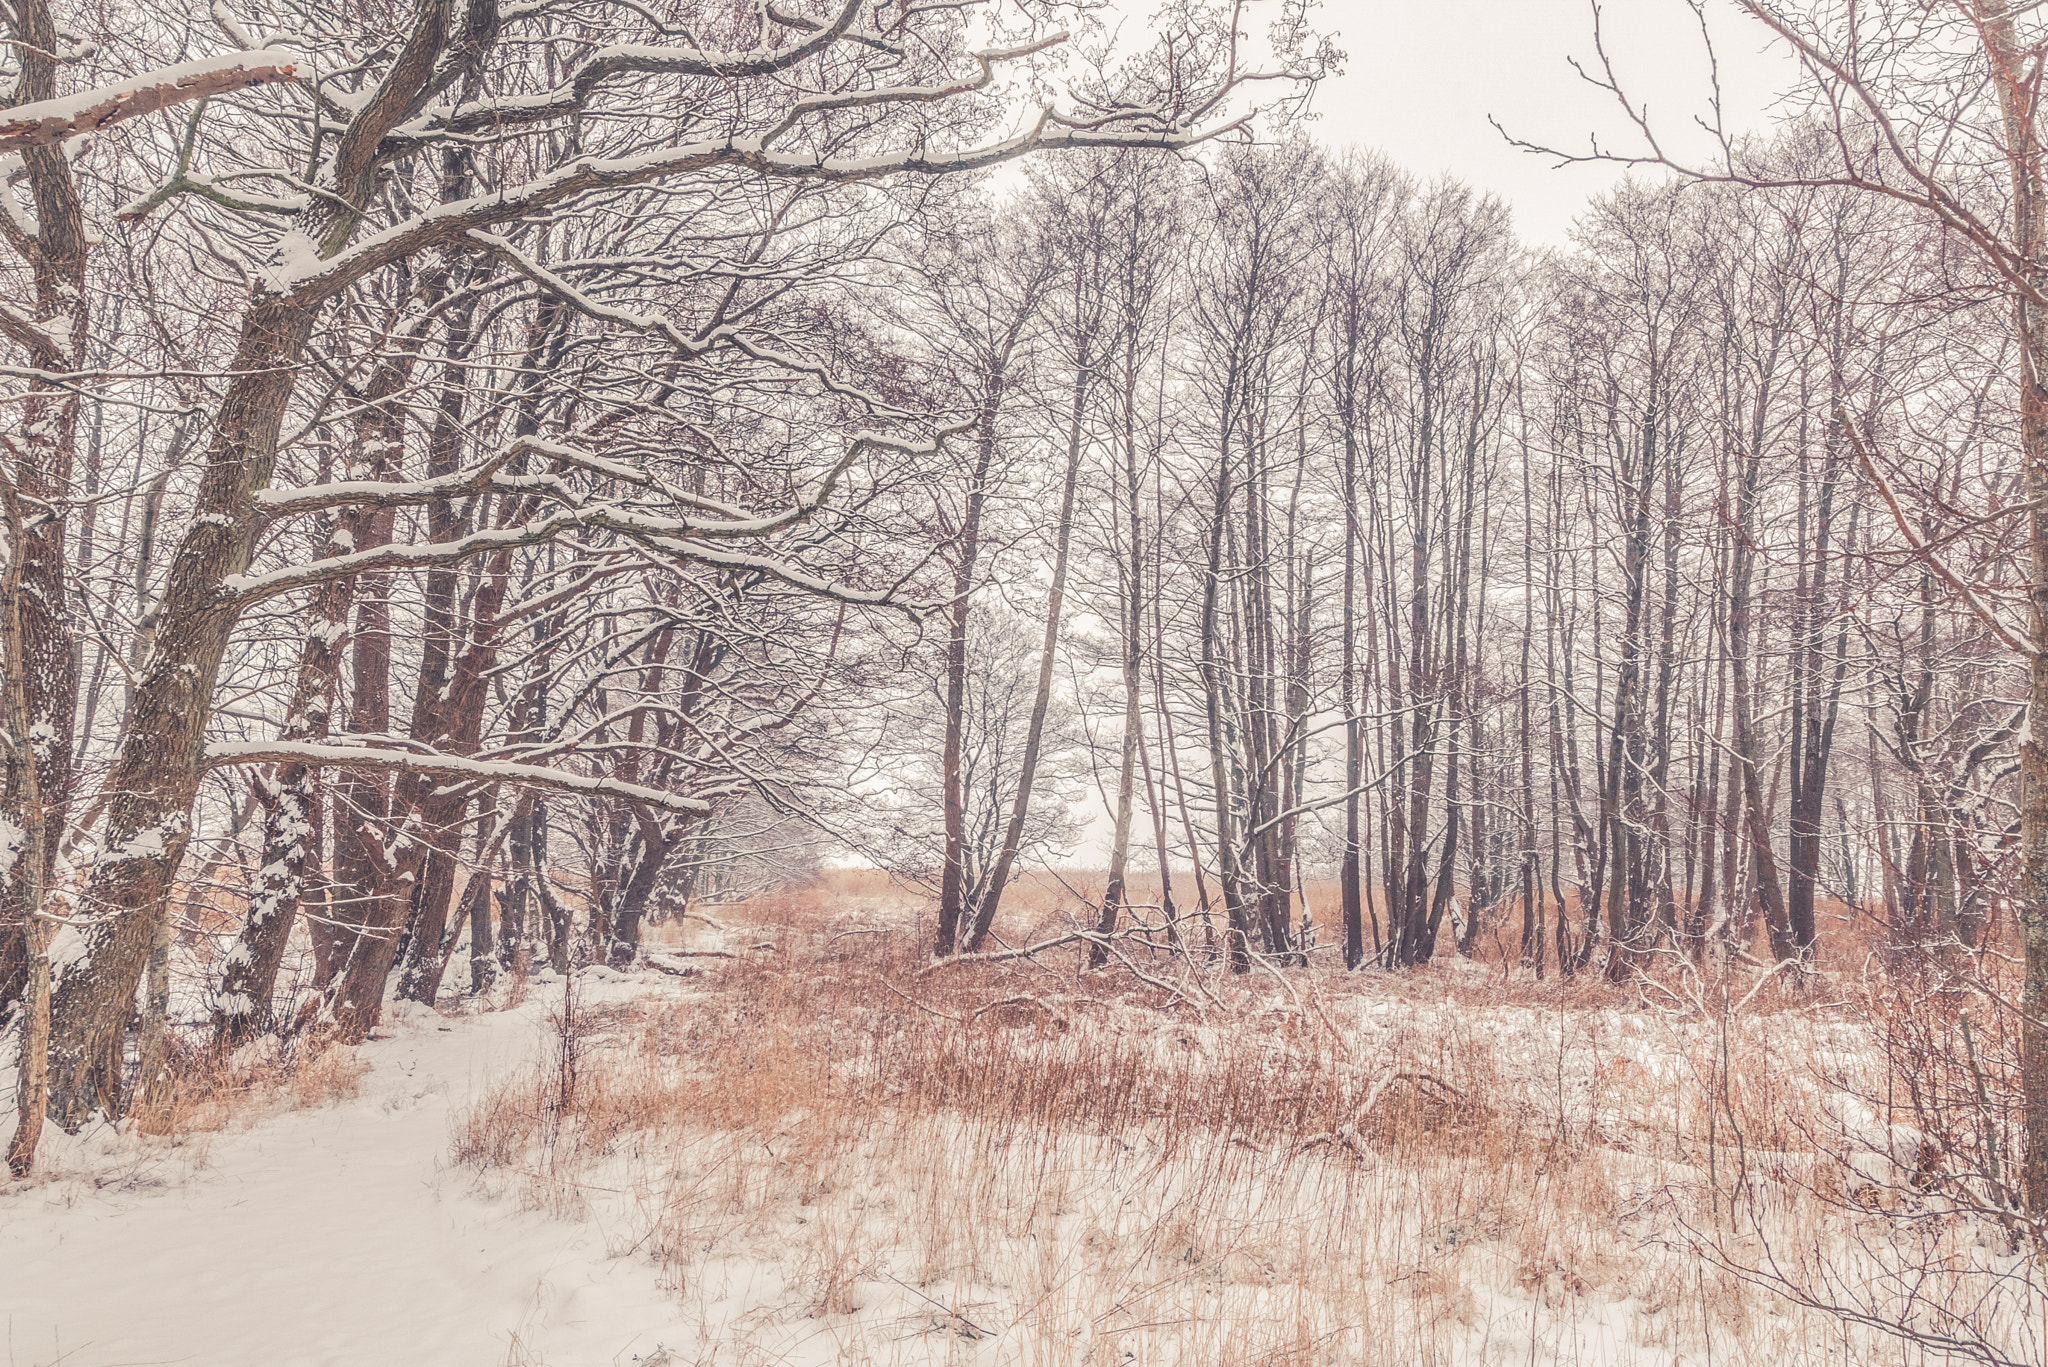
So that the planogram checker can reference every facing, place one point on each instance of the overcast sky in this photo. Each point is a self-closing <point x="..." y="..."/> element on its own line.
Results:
<point x="1423" y="75"/>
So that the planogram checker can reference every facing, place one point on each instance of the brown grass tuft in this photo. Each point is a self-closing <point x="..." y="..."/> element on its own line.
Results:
<point x="1031" y="1162"/>
<point x="202" y="1092"/>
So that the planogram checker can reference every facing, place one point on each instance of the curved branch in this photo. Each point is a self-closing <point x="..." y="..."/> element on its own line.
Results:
<point x="1921" y="550"/>
<point x="436" y="765"/>
<point x="47" y="122"/>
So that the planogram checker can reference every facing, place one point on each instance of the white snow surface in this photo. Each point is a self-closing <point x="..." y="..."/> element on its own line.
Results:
<point x="326" y="1236"/>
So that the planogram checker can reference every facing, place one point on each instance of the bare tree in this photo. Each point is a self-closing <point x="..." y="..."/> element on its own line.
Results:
<point x="1933" y="107"/>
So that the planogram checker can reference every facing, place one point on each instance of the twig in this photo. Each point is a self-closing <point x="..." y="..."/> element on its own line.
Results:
<point x="1021" y="999"/>
<point x="930" y="1010"/>
<point x="1379" y="1088"/>
<point x="1346" y="1135"/>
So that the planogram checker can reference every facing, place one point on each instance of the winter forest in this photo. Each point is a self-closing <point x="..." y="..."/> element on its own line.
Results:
<point x="893" y="681"/>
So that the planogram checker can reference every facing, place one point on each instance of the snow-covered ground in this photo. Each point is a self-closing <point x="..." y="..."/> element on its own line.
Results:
<point x="739" y="1186"/>
<point x="338" y="1235"/>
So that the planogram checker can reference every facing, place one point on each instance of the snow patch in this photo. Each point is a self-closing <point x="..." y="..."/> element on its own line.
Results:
<point x="264" y="1245"/>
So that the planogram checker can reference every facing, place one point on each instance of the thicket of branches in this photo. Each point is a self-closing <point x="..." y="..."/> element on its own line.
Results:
<point x="1554" y="591"/>
<point x="478" y="477"/>
<point x="452" y="412"/>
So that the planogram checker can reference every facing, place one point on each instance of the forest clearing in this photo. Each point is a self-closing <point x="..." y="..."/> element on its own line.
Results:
<point x="1005" y="681"/>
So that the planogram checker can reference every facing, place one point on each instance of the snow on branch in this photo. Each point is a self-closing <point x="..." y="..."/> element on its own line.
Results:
<point x="299" y="271"/>
<point x="1921" y="550"/>
<point x="437" y="765"/>
<point x="637" y="59"/>
<point x="672" y="538"/>
<point x="47" y="122"/>
<point x="680" y="538"/>
<point x="381" y="493"/>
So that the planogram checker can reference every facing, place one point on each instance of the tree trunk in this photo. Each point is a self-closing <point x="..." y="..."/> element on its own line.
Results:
<point x="657" y="840"/>
<point x="157" y="769"/>
<point x="1132" y="626"/>
<point x="1020" y="806"/>
<point x="953" y="876"/>
<point x="1214" y="668"/>
<point x="1354" y="727"/>
<point x="42" y="457"/>
<point x="2018" y="96"/>
<point x="26" y="816"/>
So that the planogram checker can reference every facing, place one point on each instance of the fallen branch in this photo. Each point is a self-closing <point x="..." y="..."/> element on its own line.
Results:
<point x="928" y="1010"/>
<point x="1345" y="1136"/>
<point x="1178" y="991"/>
<point x="1076" y="937"/>
<point x="1379" y="1088"/>
<point x="1004" y="955"/>
<point x="1021" y="999"/>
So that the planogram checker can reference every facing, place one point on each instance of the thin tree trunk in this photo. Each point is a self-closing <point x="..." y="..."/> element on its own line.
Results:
<point x="1041" y="699"/>
<point x="1755" y="812"/>
<point x="1354" y="727"/>
<point x="42" y="453"/>
<point x="1131" y="615"/>
<point x="953" y="876"/>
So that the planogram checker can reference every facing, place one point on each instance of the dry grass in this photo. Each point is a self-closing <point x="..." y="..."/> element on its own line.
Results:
<point x="836" y="1154"/>
<point x="202" y="1092"/>
<point x="167" y="1133"/>
<point x="1043" y="902"/>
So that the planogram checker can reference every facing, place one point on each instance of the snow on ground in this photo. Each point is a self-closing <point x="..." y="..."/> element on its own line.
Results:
<point x="343" y="1234"/>
<point x="335" y="1235"/>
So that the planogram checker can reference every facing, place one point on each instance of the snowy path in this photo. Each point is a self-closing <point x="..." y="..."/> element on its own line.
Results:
<point x="328" y="1236"/>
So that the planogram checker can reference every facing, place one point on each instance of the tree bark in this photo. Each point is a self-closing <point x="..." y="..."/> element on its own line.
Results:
<point x="32" y="1075"/>
<point x="1041" y="699"/>
<point x="953" y="875"/>
<point x="42" y="459"/>
<point x="2018" y="91"/>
